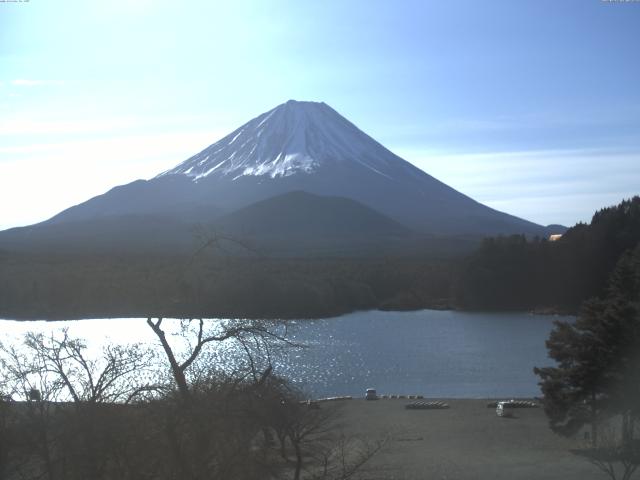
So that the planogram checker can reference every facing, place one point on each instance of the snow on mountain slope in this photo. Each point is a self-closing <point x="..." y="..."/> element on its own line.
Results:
<point x="295" y="137"/>
<point x="307" y="147"/>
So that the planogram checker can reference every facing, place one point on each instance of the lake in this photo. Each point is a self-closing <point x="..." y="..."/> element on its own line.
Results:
<point x="428" y="352"/>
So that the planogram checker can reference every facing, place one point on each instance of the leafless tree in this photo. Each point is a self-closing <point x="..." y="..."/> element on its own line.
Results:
<point x="345" y="457"/>
<point x="62" y="440"/>
<point x="208" y="424"/>
<point x="199" y="335"/>
<point x="318" y="446"/>
<point x="23" y="376"/>
<point x="118" y="373"/>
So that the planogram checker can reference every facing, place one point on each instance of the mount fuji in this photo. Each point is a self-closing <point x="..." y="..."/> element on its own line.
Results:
<point x="297" y="165"/>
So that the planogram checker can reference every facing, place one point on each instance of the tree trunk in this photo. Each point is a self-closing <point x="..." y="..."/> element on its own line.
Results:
<point x="627" y="430"/>
<point x="296" y="446"/>
<point x="283" y="445"/>
<point x="176" y="370"/>
<point x="594" y="421"/>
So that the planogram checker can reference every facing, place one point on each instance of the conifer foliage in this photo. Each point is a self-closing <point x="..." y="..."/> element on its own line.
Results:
<point x="596" y="381"/>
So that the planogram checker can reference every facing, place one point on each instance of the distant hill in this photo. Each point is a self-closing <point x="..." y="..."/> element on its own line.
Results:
<point x="292" y="224"/>
<point x="302" y="214"/>
<point x="298" y="223"/>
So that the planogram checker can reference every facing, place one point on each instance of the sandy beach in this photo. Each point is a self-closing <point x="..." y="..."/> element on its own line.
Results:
<point x="467" y="441"/>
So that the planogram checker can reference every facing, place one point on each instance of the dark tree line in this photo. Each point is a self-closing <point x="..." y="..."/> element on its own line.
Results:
<point x="515" y="273"/>
<point x="504" y="273"/>
<point x="67" y="286"/>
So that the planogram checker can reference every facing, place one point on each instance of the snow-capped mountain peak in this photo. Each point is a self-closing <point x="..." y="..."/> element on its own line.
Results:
<point x="295" y="137"/>
<point x="300" y="147"/>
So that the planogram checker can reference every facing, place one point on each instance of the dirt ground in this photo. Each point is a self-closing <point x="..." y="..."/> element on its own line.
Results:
<point x="466" y="441"/>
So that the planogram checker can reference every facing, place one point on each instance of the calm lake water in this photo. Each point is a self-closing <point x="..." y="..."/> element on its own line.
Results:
<point x="428" y="352"/>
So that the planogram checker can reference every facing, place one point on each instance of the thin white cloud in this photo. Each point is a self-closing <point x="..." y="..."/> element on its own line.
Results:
<point x="21" y="125"/>
<point x="24" y="126"/>
<point x="507" y="124"/>
<point x="23" y="82"/>
<point x="545" y="186"/>
<point x="112" y="149"/>
<point x="49" y="164"/>
<point x="44" y="179"/>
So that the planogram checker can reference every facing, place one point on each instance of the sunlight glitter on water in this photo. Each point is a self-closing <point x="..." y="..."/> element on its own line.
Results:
<point x="434" y="353"/>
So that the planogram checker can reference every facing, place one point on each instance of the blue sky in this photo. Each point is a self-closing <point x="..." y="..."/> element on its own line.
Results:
<point x="532" y="107"/>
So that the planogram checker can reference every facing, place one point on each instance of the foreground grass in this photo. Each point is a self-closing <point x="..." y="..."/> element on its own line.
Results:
<point x="467" y="441"/>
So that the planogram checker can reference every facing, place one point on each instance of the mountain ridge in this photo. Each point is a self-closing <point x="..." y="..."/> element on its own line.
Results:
<point x="296" y="146"/>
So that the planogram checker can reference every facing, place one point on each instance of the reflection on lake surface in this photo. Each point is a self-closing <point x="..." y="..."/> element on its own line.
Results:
<point x="428" y="352"/>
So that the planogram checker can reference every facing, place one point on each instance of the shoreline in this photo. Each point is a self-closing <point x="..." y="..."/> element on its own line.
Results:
<point x="542" y="311"/>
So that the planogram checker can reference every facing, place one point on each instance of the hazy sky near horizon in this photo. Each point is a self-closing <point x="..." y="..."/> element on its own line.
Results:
<point x="531" y="107"/>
